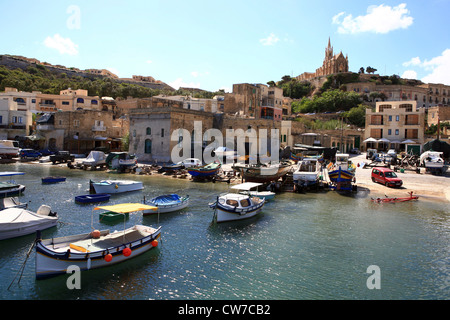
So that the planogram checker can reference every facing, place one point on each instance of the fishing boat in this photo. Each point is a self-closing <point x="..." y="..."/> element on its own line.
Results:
<point x="393" y="200"/>
<point x="12" y="202"/>
<point x="115" y="186"/>
<point x="16" y="222"/>
<point x="433" y="162"/>
<point x="53" y="179"/>
<point x="96" y="249"/>
<point x="262" y="172"/>
<point x="342" y="173"/>
<point x="171" y="167"/>
<point x="236" y="206"/>
<point x="121" y="161"/>
<point x="307" y="173"/>
<point x="204" y="172"/>
<point x="166" y="203"/>
<point x="246" y="188"/>
<point x="93" y="198"/>
<point x="10" y="188"/>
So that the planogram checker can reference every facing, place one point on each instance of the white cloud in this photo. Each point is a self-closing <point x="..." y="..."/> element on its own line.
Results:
<point x="379" y="19"/>
<point x="176" y="84"/>
<point x="409" y="74"/>
<point x="413" y="62"/>
<point x="149" y="61"/>
<point x="63" y="45"/>
<point x="194" y="74"/>
<point x="440" y="69"/>
<point x="271" y="40"/>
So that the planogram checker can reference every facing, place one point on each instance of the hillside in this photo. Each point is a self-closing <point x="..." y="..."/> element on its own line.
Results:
<point x="28" y="76"/>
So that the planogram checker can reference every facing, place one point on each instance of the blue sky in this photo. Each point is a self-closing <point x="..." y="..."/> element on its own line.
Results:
<point x="212" y="44"/>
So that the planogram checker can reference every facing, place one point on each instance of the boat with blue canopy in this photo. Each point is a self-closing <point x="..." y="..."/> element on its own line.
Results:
<point x="167" y="203"/>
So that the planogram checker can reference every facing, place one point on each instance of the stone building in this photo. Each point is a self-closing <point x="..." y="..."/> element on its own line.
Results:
<point x="332" y="63"/>
<point x="395" y="121"/>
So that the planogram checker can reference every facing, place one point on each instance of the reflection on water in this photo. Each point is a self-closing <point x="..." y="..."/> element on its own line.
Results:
<point x="302" y="246"/>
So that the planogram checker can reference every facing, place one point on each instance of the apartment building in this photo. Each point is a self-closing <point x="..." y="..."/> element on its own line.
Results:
<point x="395" y="121"/>
<point x="15" y="120"/>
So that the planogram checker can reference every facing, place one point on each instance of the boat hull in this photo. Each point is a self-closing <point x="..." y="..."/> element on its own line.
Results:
<point x="53" y="179"/>
<point x="51" y="262"/>
<point x="117" y="186"/>
<point x="93" y="198"/>
<point x="166" y="208"/>
<point x="14" y="190"/>
<point x="262" y="174"/>
<point x="223" y="215"/>
<point x="18" y="227"/>
<point x="226" y="213"/>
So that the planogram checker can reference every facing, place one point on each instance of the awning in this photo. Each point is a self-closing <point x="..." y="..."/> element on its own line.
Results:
<point x="127" y="207"/>
<point x="383" y="140"/>
<point x="246" y="186"/>
<point x="370" y="140"/>
<point x="408" y="141"/>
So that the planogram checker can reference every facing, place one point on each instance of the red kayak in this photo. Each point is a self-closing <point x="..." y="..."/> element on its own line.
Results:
<point x="411" y="197"/>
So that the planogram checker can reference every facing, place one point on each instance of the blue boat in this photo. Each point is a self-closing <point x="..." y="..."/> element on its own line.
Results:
<point x="93" y="198"/>
<point x="166" y="203"/>
<point x="53" y="179"/>
<point x="207" y="171"/>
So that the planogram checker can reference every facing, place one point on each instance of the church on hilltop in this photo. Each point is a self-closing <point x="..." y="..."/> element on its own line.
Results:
<point x="331" y="64"/>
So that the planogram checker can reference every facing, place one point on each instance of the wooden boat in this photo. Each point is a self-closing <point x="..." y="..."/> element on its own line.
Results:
<point x="236" y="206"/>
<point x="93" y="198"/>
<point x="10" y="188"/>
<point x="246" y="188"/>
<point x="393" y="200"/>
<point x="53" y="179"/>
<point x="12" y="202"/>
<point x="16" y="222"/>
<point x="115" y="186"/>
<point x="261" y="172"/>
<point x="96" y="249"/>
<point x="166" y="203"/>
<point x="342" y="173"/>
<point x="206" y="171"/>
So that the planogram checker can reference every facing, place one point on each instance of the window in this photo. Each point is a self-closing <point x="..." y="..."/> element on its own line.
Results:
<point x="162" y="132"/>
<point x="396" y="132"/>
<point x="65" y="103"/>
<point x="94" y="102"/>
<point x="149" y="131"/>
<point x="148" y="146"/>
<point x="397" y="118"/>
<point x="1" y="119"/>
<point x="80" y="100"/>
<point x="76" y="123"/>
<point x="390" y="118"/>
<point x="389" y="132"/>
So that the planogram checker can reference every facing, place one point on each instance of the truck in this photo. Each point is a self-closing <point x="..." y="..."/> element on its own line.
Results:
<point x="62" y="156"/>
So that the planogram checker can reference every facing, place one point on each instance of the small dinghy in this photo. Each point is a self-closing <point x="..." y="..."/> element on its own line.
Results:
<point x="167" y="203"/>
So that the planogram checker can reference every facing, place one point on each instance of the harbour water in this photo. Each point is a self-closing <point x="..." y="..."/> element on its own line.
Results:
<point x="302" y="246"/>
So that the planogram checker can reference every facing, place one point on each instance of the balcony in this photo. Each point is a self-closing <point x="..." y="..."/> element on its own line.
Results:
<point x="99" y="128"/>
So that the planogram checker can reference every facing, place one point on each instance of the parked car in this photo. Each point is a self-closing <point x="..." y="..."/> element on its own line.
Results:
<point x="370" y="153"/>
<point x="386" y="176"/>
<point x="190" y="162"/>
<point x="62" y="156"/>
<point x="355" y="151"/>
<point x="29" y="154"/>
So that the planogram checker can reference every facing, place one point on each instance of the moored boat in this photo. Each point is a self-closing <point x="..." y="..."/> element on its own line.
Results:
<point x="53" y="179"/>
<point x="93" y="198"/>
<point x="116" y="186"/>
<point x="433" y="162"/>
<point x="236" y="206"/>
<point x="307" y="173"/>
<point x="166" y="203"/>
<point x="246" y="188"/>
<point x="206" y="171"/>
<point x="393" y="200"/>
<point x="16" y="222"/>
<point x="10" y="188"/>
<point x="96" y="249"/>
<point x="262" y="172"/>
<point x="12" y="202"/>
<point x="342" y="173"/>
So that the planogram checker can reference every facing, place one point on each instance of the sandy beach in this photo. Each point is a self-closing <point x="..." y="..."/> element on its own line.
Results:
<point x="425" y="185"/>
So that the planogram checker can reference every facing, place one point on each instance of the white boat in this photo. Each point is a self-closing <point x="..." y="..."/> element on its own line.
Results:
<point x="94" y="159"/>
<point x="10" y="188"/>
<point x="307" y="173"/>
<point x="96" y="249"/>
<point x="116" y="186"/>
<point x="433" y="161"/>
<point x="16" y="222"/>
<point x="9" y="149"/>
<point x="246" y="188"/>
<point x="12" y="202"/>
<point x="166" y="203"/>
<point x="236" y="206"/>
